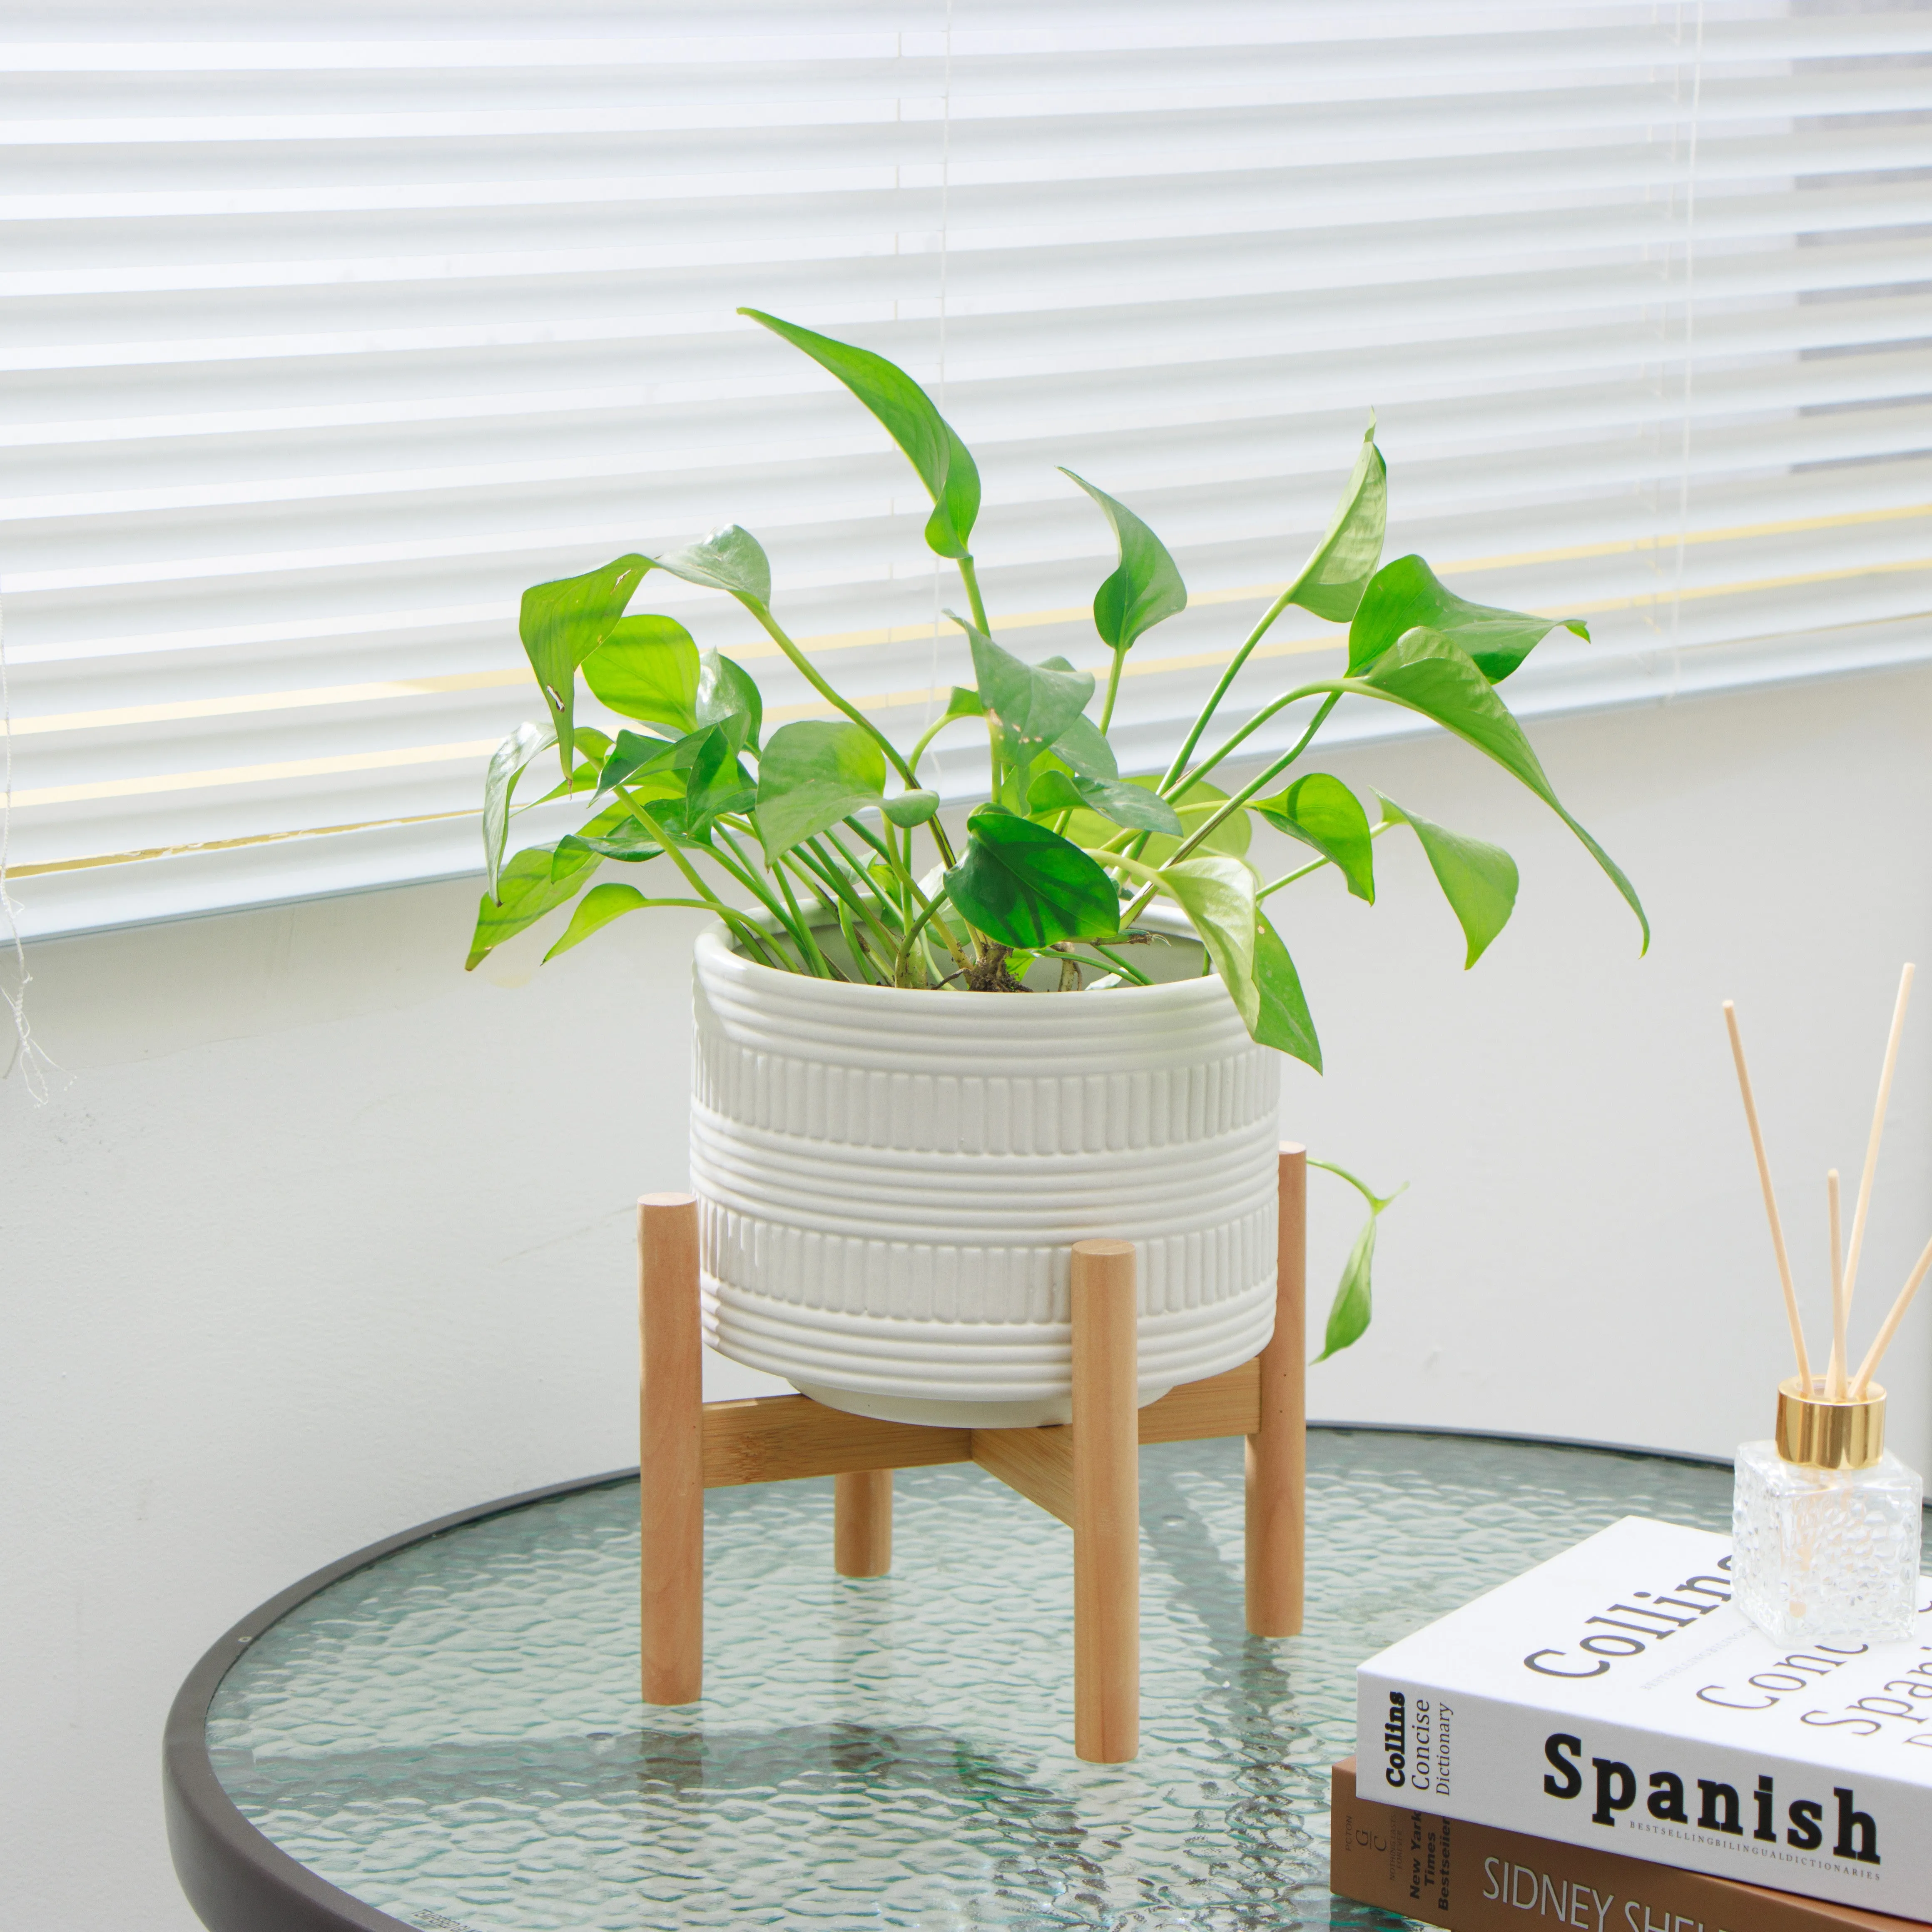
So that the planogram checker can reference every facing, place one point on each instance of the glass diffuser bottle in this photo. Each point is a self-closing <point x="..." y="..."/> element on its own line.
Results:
<point x="1825" y="1523"/>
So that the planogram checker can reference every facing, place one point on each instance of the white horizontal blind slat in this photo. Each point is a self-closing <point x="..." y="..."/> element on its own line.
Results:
<point x="325" y="330"/>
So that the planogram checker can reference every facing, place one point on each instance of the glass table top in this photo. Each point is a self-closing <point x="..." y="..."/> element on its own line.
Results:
<point x="454" y="1736"/>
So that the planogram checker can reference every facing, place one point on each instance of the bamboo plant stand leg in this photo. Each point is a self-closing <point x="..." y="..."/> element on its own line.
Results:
<point x="671" y="1442"/>
<point x="1106" y="1505"/>
<point x="1087" y="1475"/>
<point x="861" y="1534"/>
<point x="1277" y="1452"/>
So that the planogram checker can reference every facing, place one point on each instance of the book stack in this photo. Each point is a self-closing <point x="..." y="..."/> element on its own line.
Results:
<point x="1606" y="1742"/>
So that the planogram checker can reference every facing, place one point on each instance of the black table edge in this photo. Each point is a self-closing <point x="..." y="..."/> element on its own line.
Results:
<point x="238" y="1880"/>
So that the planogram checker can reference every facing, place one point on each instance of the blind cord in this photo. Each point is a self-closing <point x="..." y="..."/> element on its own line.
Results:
<point x="26" y="1053"/>
<point x="1689" y="346"/>
<point x="945" y="189"/>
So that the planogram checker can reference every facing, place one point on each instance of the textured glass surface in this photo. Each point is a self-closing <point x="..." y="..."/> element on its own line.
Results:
<point x="1826" y="1555"/>
<point x="454" y="1734"/>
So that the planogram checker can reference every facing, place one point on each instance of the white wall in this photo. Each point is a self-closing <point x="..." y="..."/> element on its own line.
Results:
<point x="319" y="1237"/>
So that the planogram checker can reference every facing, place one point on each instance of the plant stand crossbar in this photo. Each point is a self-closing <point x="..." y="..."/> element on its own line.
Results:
<point x="1086" y="1473"/>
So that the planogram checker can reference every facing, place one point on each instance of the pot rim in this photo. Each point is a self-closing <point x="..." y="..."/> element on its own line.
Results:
<point x="715" y="954"/>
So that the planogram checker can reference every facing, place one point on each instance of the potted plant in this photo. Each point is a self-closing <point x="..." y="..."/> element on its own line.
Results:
<point x="925" y="1065"/>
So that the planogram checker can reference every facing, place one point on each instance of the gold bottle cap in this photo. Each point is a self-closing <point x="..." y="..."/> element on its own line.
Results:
<point x="1817" y="1433"/>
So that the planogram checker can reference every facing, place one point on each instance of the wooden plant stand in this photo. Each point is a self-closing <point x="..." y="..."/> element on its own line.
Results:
<point x="1086" y="1473"/>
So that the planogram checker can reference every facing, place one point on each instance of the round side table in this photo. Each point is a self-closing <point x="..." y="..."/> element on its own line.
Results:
<point x="444" y="1731"/>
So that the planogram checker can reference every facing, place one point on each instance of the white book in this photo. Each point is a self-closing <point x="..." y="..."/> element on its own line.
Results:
<point x="1613" y="1697"/>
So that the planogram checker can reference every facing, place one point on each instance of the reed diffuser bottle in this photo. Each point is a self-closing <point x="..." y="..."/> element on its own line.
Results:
<point x="1825" y="1522"/>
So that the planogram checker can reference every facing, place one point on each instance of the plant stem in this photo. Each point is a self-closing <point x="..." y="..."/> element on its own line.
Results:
<point x="1338" y="688"/>
<point x="912" y="933"/>
<point x="804" y="664"/>
<point x="810" y="672"/>
<point x="932" y="731"/>
<point x="862" y="958"/>
<point x="809" y="874"/>
<point x="740" y="868"/>
<point x="929" y="908"/>
<point x="883" y="847"/>
<point x="859" y="872"/>
<point x="1113" y="686"/>
<point x="1228" y="677"/>
<point x="969" y="577"/>
<point x="820" y="864"/>
<point x="1377" y="1202"/>
<point x="1123" y="863"/>
<point x="824" y="965"/>
<point x="1261" y="718"/>
<point x="731" y="915"/>
<point x="1254" y="724"/>
<point x="1133" y="972"/>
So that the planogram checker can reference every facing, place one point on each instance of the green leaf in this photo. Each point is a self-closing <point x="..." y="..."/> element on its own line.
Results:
<point x="1282" y="1020"/>
<point x="718" y="784"/>
<point x="563" y="623"/>
<point x="909" y="419"/>
<point x="1218" y="896"/>
<point x="1322" y="812"/>
<point x="1406" y="595"/>
<point x="1431" y="674"/>
<point x="1479" y="880"/>
<point x="583" y="779"/>
<point x="598" y="908"/>
<point x="537" y="881"/>
<point x="1025" y="886"/>
<point x="1332" y="580"/>
<point x="635" y="758"/>
<point x="1034" y="702"/>
<point x="727" y="693"/>
<point x="964" y="703"/>
<point x="1145" y="587"/>
<point x="1083" y="748"/>
<point x="910" y="809"/>
<point x="629" y="842"/>
<point x="646" y="669"/>
<point x="1232" y="838"/>
<point x="612" y="833"/>
<point x="812" y="775"/>
<point x="593" y="747"/>
<point x="688" y="822"/>
<point x="1127" y="804"/>
<point x="507" y="764"/>
<point x="729" y="559"/>
<point x="1348" y="1314"/>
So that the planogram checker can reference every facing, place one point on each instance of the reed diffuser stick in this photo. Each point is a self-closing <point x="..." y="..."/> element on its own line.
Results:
<point x="1883" y="1341"/>
<point x="1877" y="1131"/>
<point x="1841" y="1311"/>
<point x="1770" y="1200"/>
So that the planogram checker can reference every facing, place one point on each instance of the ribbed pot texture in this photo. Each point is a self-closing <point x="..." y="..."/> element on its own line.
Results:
<point x="889" y="1183"/>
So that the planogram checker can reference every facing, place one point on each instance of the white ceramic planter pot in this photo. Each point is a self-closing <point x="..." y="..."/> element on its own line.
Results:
<point x="890" y="1182"/>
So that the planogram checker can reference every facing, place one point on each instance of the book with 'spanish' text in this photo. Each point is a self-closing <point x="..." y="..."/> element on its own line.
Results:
<point x="1475" y="1878"/>
<point x="1613" y="1698"/>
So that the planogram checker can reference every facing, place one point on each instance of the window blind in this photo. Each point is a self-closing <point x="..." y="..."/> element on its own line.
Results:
<point x="326" y="328"/>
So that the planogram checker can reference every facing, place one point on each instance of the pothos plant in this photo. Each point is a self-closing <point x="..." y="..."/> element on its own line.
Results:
<point x="825" y="826"/>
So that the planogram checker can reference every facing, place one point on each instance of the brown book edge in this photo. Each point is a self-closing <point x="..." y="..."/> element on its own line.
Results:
<point x="1437" y="1870"/>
